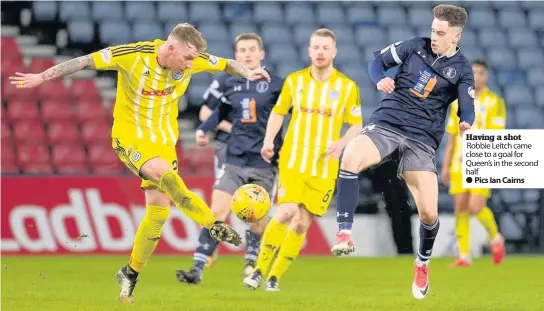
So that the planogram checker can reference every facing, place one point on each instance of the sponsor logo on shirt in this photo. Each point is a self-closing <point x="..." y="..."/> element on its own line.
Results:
<point x="165" y="92"/>
<point x="106" y="56"/>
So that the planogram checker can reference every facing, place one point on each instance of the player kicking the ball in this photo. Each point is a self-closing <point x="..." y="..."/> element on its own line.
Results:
<point x="491" y="115"/>
<point x="433" y="73"/>
<point x="249" y="103"/>
<point x="152" y="77"/>
<point x="322" y="99"/>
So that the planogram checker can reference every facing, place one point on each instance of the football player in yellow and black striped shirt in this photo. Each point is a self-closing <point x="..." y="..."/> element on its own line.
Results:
<point x="322" y="100"/>
<point x="152" y="76"/>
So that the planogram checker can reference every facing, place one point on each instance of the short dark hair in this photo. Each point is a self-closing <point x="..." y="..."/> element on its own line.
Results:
<point x="455" y="16"/>
<point x="480" y="62"/>
<point x="249" y="36"/>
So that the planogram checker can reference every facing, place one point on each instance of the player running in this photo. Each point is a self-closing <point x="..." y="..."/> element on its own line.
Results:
<point x="433" y="73"/>
<point x="322" y="99"/>
<point x="250" y="103"/>
<point x="152" y="76"/>
<point x="491" y="115"/>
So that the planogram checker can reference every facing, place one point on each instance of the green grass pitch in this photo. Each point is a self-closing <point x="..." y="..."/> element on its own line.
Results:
<point x="88" y="283"/>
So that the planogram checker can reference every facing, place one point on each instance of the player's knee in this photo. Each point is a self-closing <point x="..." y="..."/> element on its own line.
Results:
<point x="154" y="168"/>
<point x="259" y="226"/>
<point x="350" y="159"/>
<point x="285" y="213"/>
<point x="428" y="215"/>
<point x="221" y="204"/>
<point x="156" y="197"/>
<point x="474" y="207"/>
<point x="300" y="225"/>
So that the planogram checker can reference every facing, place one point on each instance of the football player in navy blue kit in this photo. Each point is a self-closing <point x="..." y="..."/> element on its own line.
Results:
<point x="433" y="73"/>
<point x="249" y="105"/>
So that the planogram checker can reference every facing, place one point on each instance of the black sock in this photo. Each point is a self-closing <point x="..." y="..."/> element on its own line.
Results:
<point x="347" y="195"/>
<point x="204" y="249"/>
<point x="131" y="273"/>
<point x="253" y="241"/>
<point x="427" y="234"/>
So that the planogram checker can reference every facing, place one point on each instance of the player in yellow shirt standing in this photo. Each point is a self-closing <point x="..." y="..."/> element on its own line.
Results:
<point x="490" y="114"/>
<point x="152" y="76"/>
<point x="322" y="99"/>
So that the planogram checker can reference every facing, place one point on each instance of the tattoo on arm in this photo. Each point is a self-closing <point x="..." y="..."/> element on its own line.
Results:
<point x="68" y="67"/>
<point x="237" y="69"/>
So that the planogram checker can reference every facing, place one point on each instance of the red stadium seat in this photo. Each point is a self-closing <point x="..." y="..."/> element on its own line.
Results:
<point x="10" y="48"/>
<point x="28" y="132"/>
<point x="82" y="89"/>
<point x="9" y="168"/>
<point x="6" y="132"/>
<point x="63" y="132"/>
<point x="41" y="64"/>
<point x="81" y="168"/>
<point x="87" y="110"/>
<point x="32" y="154"/>
<point x="201" y="156"/>
<point x="8" y="154"/>
<point x="68" y="154"/>
<point x="55" y="110"/>
<point x="96" y="132"/>
<point x="103" y="160"/>
<point x="37" y="168"/>
<point x="54" y="90"/>
<point x="11" y="92"/>
<point x="23" y="111"/>
<point x="11" y="66"/>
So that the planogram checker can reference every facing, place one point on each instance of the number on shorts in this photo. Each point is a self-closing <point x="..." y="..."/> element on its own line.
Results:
<point x="327" y="196"/>
<point x="249" y="110"/>
<point x="175" y="165"/>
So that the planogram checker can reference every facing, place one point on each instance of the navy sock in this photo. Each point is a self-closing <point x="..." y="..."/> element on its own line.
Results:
<point x="204" y="249"/>
<point x="347" y="195"/>
<point x="252" y="245"/>
<point x="427" y="234"/>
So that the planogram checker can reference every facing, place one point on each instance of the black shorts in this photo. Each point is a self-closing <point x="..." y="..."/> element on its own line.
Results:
<point x="414" y="156"/>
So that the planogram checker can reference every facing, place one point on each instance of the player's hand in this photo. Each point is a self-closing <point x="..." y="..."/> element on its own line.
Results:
<point x="267" y="152"/>
<point x="258" y="73"/>
<point x="335" y="150"/>
<point x="463" y="126"/>
<point x="445" y="176"/>
<point x="26" y="80"/>
<point x="386" y="85"/>
<point x="201" y="138"/>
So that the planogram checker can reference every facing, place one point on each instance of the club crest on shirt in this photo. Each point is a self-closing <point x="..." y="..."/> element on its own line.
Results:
<point x="177" y="75"/>
<point x="449" y="72"/>
<point x="136" y="156"/>
<point x="262" y="86"/>
<point x="334" y="94"/>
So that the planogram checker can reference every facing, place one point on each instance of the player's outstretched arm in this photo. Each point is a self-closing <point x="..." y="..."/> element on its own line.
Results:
<point x="238" y="69"/>
<point x="206" y="112"/>
<point x="30" y="80"/>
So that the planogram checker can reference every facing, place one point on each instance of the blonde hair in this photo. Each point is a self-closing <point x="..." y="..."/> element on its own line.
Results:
<point x="249" y="36"/>
<point x="324" y="32"/>
<point x="188" y="34"/>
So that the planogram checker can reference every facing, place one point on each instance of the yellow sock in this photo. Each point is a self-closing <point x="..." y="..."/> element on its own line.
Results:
<point x="148" y="235"/>
<point x="288" y="253"/>
<point x="273" y="236"/>
<point x="187" y="201"/>
<point x="462" y="231"/>
<point x="487" y="219"/>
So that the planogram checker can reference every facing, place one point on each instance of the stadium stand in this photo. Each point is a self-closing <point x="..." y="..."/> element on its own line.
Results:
<point x="40" y="128"/>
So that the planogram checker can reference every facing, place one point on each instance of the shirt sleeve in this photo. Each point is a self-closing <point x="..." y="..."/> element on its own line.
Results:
<point x="208" y="63"/>
<point x="395" y="54"/>
<point x="353" y="113"/>
<point x="215" y="93"/>
<point x="452" y="125"/>
<point x="285" y="100"/>
<point x="497" y="117"/>
<point x="465" y="93"/>
<point x="114" y="57"/>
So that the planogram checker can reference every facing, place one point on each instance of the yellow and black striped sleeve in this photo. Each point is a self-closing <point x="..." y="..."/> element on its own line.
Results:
<point x="112" y="58"/>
